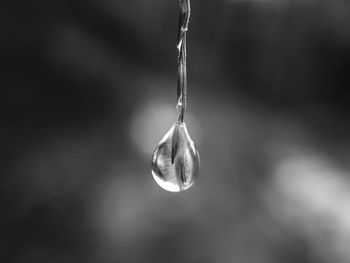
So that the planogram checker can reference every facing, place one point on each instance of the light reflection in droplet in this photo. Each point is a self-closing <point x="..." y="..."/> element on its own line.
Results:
<point x="175" y="162"/>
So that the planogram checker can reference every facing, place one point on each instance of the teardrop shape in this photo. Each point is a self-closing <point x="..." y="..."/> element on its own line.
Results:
<point x="175" y="162"/>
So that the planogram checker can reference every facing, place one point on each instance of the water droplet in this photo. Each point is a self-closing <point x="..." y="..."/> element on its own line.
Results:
<point x="175" y="162"/>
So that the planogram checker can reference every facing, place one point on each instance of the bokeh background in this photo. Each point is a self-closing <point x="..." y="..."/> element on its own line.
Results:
<point x="88" y="88"/>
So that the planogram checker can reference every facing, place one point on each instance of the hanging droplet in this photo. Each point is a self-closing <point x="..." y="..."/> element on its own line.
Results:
<point x="175" y="162"/>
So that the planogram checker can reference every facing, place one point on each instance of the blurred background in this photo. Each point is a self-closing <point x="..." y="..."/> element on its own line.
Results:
<point x="88" y="88"/>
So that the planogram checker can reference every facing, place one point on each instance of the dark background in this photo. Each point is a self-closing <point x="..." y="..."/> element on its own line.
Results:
<point x="88" y="88"/>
